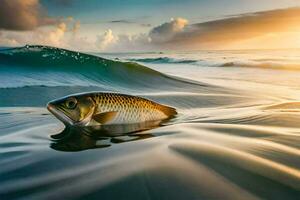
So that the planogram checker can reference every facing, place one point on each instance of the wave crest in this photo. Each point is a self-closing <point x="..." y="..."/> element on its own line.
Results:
<point x="265" y="65"/>
<point x="49" y="66"/>
<point x="162" y="60"/>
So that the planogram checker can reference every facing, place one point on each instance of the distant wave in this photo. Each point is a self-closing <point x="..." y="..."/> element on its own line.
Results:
<point x="162" y="60"/>
<point x="266" y="65"/>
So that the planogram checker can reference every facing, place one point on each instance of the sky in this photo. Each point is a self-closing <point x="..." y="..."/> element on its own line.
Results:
<point x="152" y="25"/>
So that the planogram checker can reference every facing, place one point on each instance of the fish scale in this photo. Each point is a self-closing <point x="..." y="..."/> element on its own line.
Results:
<point x="130" y="109"/>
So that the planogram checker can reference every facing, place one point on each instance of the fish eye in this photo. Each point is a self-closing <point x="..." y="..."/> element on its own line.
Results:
<point x="71" y="103"/>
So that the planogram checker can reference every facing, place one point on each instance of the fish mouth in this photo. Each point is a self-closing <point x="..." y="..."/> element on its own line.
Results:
<point x="59" y="115"/>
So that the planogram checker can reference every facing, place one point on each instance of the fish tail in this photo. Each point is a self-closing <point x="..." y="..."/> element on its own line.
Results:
<point x="169" y="111"/>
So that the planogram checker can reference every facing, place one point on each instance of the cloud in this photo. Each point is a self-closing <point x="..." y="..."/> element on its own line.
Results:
<point x="233" y="29"/>
<point x="7" y="41"/>
<point x="106" y="39"/>
<point x="23" y="15"/>
<point x="122" y="42"/>
<point x="137" y="42"/>
<point x="121" y="21"/>
<point x="166" y="31"/>
<point x="64" y="34"/>
<point x="76" y="27"/>
<point x="274" y="28"/>
<point x="124" y="21"/>
<point x="55" y="37"/>
<point x="277" y="27"/>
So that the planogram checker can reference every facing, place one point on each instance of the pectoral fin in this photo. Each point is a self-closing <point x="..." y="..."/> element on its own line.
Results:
<point x="105" y="117"/>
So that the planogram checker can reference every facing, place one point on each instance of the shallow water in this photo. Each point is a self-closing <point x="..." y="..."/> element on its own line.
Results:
<point x="236" y="136"/>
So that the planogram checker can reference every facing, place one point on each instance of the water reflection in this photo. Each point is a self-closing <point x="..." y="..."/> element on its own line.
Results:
<point x="78" y="139"/>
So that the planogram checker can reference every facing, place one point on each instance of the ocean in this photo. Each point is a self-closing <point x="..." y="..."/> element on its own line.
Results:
<point x="236" y="135"/>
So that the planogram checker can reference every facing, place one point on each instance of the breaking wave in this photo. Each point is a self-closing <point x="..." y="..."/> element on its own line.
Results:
<point x="54" y="72"/>
<point x="48" y="66"/>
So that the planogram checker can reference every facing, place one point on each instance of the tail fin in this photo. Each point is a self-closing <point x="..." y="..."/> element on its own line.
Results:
<point x="169" y="111"/>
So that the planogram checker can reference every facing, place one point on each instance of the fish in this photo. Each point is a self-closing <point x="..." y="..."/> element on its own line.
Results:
<point x="99" y="109"/>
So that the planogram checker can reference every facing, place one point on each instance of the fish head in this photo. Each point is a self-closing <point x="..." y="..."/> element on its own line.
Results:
<point x="73" y="110"/>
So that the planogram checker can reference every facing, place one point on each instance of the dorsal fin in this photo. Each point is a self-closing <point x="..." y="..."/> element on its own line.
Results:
<point x="105" y="117"/>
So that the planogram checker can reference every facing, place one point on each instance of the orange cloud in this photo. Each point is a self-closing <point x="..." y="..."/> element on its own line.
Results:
<point x="23" y="15"/>
<point x="235" y="29"/>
